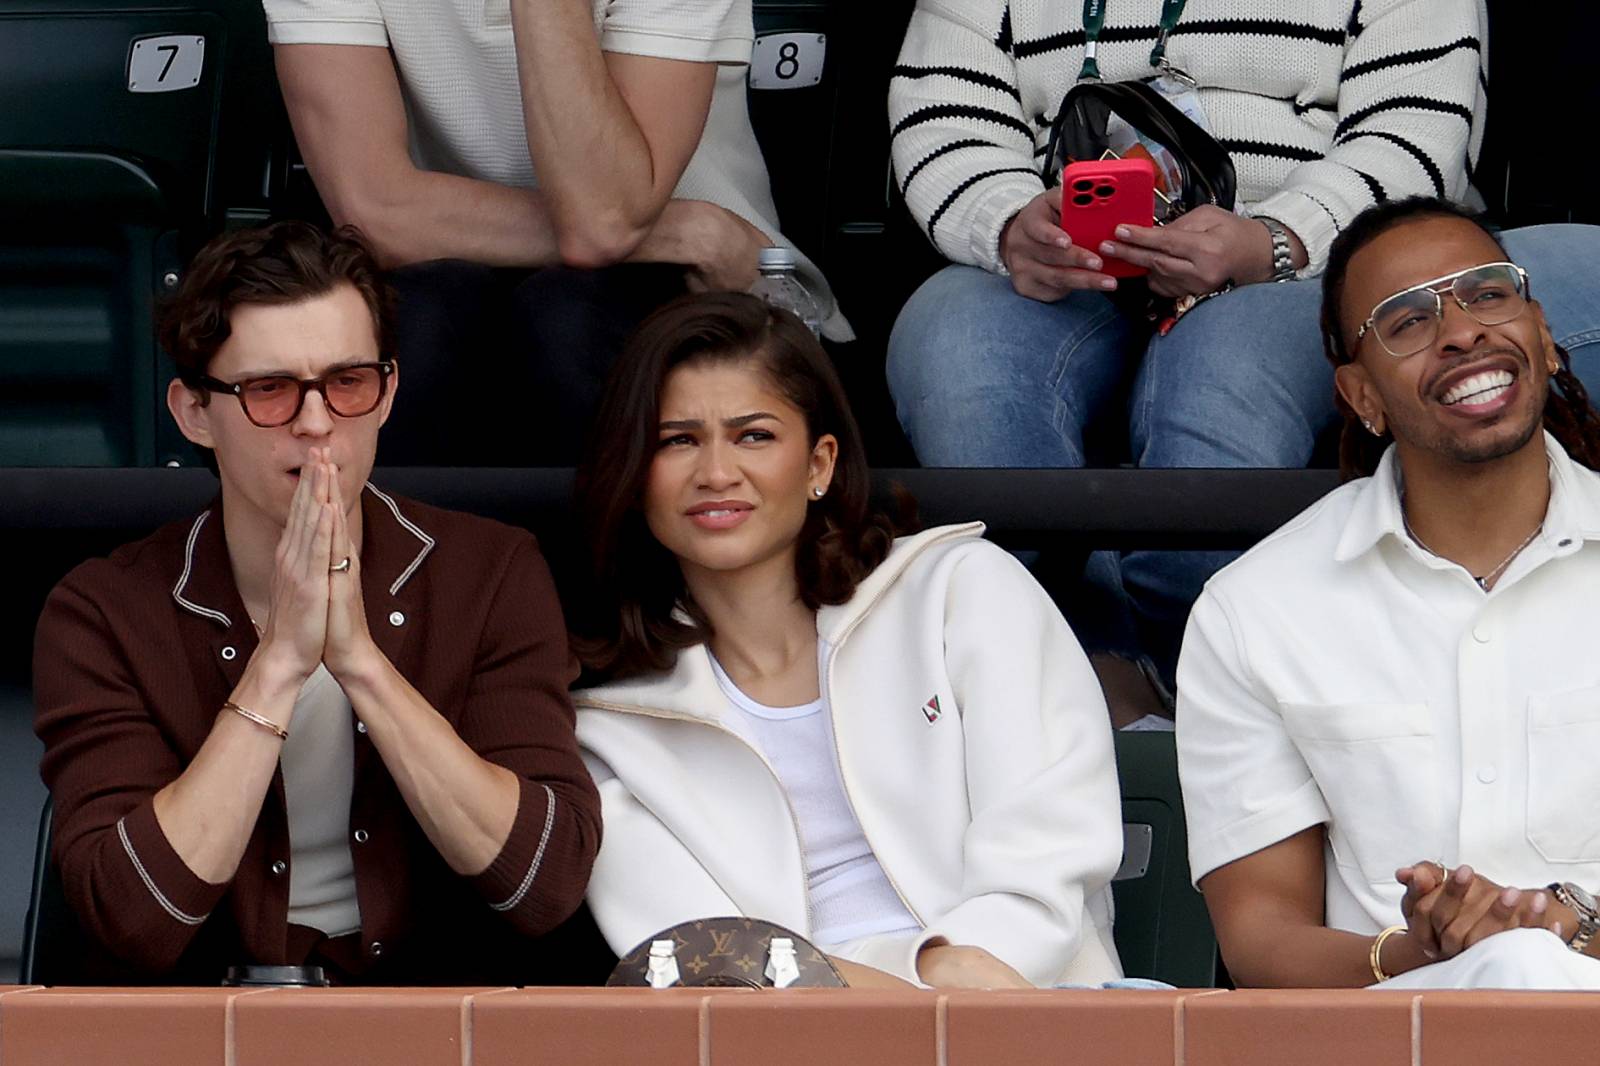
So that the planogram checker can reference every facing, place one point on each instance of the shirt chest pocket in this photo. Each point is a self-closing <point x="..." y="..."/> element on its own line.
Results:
<point x="1563" y="778"/>
<point x="1376" y="768"/>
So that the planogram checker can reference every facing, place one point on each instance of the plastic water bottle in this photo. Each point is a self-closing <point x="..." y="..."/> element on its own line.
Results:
<point x="780" y="286"/>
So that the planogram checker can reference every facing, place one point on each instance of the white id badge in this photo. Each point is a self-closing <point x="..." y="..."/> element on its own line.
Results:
<point x="1180" y="91"/>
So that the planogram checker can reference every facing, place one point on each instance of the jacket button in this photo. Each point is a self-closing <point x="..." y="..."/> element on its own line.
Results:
<point x="376" y="949"/>
<point x="361" y="836"/>
<point x="279" y="867"/>
<point x="396" y="618"/>
<point x="229" y="653"/>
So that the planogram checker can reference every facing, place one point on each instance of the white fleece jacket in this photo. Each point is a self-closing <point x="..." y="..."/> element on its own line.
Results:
<point x="998" y="821"/>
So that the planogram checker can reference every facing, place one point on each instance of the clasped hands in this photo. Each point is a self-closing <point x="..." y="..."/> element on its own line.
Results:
<point x="316" y="613"/>
<point x="1197" y="253"/>
<point x="1448" y="911"/>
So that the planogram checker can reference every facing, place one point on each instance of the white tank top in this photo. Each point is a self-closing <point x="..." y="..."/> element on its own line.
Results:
<point x="849" y="894"/>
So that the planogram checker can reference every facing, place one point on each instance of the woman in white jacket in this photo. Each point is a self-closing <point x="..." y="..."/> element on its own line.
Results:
<point x="892" y="746"/>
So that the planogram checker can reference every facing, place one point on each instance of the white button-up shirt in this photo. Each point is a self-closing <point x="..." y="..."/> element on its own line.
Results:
<point x="1338" y="673"/>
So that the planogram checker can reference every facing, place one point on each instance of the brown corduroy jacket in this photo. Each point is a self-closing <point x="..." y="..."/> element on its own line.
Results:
<point x="133" y="659"/>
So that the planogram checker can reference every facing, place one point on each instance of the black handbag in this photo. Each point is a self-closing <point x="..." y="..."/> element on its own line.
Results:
<point x="726" y="952"/>
<point x="1080" y="134"/>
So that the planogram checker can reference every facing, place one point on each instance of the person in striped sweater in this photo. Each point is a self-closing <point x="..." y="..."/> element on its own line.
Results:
<point x="1326" y="107"/>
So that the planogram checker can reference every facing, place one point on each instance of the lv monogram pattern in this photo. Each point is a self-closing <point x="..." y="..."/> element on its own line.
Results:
<point x="727" y="951"/>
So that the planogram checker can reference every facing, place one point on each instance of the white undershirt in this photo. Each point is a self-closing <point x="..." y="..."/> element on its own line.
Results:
<point x="849" y="894"/>
<point x="318" y="762"/>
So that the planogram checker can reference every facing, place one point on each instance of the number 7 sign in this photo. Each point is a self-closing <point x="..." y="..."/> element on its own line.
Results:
<point x="166" y="64"/>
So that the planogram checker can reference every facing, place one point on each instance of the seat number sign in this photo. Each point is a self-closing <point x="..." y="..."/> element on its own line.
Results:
<point x="166" y="64"/>
<point x="788" y="60"/>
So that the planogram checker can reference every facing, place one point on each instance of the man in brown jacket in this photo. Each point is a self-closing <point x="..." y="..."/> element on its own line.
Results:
<point x="314" y="724"/>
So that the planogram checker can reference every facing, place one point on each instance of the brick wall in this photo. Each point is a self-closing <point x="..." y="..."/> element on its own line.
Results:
<point x="600" y="1027"/>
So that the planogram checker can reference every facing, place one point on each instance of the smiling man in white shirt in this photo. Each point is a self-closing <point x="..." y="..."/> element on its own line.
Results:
<point x="1388" y="711"/>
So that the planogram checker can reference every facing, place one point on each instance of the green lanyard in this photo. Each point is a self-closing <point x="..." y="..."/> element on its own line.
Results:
<point x="1094" y="20"/>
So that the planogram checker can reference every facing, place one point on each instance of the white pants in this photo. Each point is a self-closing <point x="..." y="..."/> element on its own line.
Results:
<point x="1516" y="958"/>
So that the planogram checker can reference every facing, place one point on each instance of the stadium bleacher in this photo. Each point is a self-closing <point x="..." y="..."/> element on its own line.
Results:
<point x="57" y="517"/>
<point x="131" y="134"/>
<point x="106" y="191"/>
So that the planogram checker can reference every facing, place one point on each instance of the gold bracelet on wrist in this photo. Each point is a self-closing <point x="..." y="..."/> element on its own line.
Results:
<point x="1376" y="958"/>
<point x="259" y="719"/>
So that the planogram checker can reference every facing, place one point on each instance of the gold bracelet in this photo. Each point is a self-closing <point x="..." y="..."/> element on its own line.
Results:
<point x="259" y="719"/>
<point x="1377" y="952"/>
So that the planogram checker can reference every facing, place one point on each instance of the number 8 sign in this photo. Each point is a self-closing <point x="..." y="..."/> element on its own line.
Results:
<point x="788" y="60"/>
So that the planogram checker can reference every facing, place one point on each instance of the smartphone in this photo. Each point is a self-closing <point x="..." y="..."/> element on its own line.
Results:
<point x="1098" y="196"/>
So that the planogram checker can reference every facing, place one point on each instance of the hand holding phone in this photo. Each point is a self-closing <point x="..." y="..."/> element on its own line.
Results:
<point x="1100" y="195"/>
<point x="1043" y="262"/>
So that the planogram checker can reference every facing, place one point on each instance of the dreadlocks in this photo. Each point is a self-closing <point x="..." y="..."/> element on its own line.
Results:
<point x="1568" y="414"/>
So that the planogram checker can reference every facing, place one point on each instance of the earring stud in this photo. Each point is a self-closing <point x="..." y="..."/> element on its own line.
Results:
<point x="818" y="492"/>
<point x="1370" y="427"/>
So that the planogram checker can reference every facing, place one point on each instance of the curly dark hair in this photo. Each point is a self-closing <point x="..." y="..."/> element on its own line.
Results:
<point x="639" y="583"/>
<point x="281" y="263"/>
<point x="1568" y="414"/>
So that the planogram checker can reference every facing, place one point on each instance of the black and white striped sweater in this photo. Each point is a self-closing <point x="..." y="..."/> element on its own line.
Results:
<point x="1327" y="106"/>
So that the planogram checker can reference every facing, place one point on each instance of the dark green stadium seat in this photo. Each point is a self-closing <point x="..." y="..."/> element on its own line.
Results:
<point x="1162" y="928"/>
<point x="124" y="142"/>
<point x="826" y="147"/>
<point x="1529" y="171"/>
<point x="793" y="96"/>
<point x="51" y="941"/>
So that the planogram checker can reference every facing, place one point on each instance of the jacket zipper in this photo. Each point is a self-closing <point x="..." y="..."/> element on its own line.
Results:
<point x="833" y="651"/>
<point x="850" y="800"/>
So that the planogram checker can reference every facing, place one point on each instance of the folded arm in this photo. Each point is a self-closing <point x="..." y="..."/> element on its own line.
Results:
<point x="609" y="133"/>
<point x="350" y="123"/>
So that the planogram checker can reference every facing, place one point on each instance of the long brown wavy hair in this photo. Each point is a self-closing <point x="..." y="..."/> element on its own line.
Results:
<point x="1568" y="415"/>
<point x="633" y="627"/>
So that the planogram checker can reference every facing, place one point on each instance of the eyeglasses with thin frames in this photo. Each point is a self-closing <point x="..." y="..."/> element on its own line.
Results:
<point x="1409" y="321"/>
<point x="276" y="399"/>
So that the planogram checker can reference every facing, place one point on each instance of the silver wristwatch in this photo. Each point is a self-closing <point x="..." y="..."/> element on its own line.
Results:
<point x="1580" y="900"/>
<point x="1282" y="254"/>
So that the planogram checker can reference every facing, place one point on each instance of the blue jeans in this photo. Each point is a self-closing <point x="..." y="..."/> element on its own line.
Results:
<point x="984" y="377"/>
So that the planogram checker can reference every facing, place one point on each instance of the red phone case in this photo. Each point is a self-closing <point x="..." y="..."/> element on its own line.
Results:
<point x="1099" y="196"/>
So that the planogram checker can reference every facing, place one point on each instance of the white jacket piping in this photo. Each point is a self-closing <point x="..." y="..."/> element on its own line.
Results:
<point x="183" y="579"/>
<point x="144" y="875"/>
